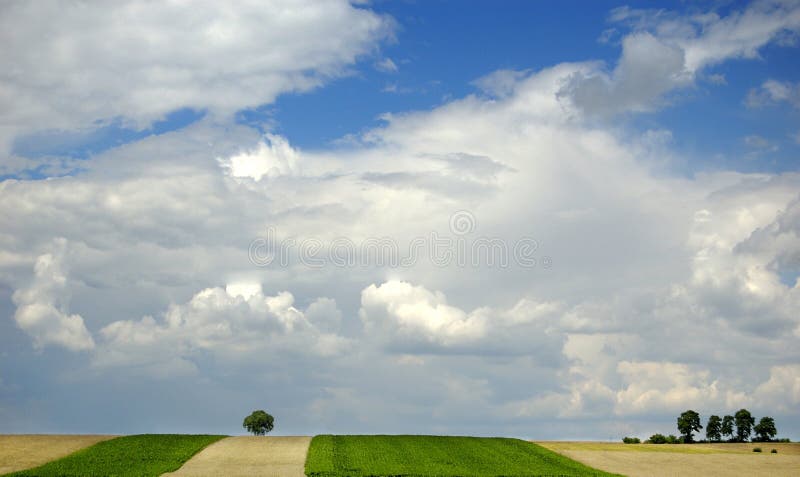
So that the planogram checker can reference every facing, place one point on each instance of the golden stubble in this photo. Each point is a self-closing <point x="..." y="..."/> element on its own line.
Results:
<point x="23" y="451"/>
<point x="274" y="456"/>
<point x="656" y="460"/>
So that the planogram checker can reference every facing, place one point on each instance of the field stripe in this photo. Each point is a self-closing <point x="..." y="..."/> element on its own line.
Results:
<point x="25" y="451"/>
<point x="143" y="455"/>
<point x="425" y="455"/>
<point x="663" y="460"/>
<point x="249" y="456"/>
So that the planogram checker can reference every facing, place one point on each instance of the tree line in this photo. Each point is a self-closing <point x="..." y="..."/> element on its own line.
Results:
<point x="736" y="428"/>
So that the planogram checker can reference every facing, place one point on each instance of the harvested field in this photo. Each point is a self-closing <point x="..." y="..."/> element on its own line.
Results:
<point x="18" y="452"/>
<point x="249" y="456"/>
<point x="654" y="460"/>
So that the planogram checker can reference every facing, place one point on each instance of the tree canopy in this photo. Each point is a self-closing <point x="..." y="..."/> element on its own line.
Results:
<point x="727" y="426"/>
<point x="259" y="423"/>
<point x="689" y="422"/>
<point x="736" y="428"/>
<point x="744" y="424"/>
<point x="765" y="429"/>
<point x="714" y="428"/>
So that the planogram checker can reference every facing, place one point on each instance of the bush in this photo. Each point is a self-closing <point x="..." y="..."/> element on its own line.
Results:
<point x="783" y="440"/>
<point x="773" y="451"/>
<point x="657" y="439"/>
<point x="756" y="449"/>
<point x="631" y="440"/>
<point x="673" y="440"/>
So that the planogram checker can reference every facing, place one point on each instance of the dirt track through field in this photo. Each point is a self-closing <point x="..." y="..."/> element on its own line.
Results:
<point x="640" y="460"/>
<point x="249" y="456"/>
<point x="19" y="452"/>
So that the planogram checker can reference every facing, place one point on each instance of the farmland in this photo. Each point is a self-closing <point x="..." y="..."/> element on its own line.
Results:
<point x="393" y="455"/>
<point x="337" y="455"/>
<point x="139" y="455"/>
<point x="656" y="460"/>
<point x="249" y="456"/>
<point x="19" y="452"/>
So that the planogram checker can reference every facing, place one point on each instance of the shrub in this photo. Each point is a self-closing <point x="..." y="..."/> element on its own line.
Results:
<point x="671" y="439"/>
<point x="631" y="440"/>
<point x="756" y="449"/>
<point x="773" y="451"/>
<point x="657" y="439"/>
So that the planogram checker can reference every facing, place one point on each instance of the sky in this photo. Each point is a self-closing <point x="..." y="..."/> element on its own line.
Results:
<point x="478" y="218"/>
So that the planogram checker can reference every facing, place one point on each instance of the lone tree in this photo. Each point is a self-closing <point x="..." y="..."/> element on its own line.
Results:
<point x="259" y="423"/>
<point x="727" y="426"/>
<point x="765" y="429"/>
<point x="689" y="422"/>
<point x="714" y="428"/>
<point x="744" y="424"/>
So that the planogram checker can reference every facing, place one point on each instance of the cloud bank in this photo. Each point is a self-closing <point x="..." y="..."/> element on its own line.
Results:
<point x="665" y="291"/>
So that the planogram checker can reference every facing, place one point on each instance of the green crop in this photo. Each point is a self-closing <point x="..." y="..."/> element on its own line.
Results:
<point x="443" y="456"/>
<point x="141" y="455"/>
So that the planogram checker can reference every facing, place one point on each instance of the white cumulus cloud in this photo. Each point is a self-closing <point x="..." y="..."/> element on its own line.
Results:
<point x="232" y="323"/>
<point x="273" y="157"/>
<point x="665" y="290"/>
<point x="42" y="306"/>
<point x="67" y="65"/>
<point x="411" y="318"/>
<point x="666" y="51"/>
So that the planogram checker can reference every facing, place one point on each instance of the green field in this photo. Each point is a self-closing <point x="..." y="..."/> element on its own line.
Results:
<point x="334" y="456"/>
<point x="142" y="455"/>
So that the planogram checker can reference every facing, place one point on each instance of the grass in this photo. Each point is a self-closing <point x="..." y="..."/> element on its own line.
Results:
<point x="140" y="455"/>
<point x="413" y="456"/>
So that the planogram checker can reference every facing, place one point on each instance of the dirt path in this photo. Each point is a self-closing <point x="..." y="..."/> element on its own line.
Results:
<point x="674" y="460"/>
<point x="249" y="456"/>
<point x="18" y="452"/>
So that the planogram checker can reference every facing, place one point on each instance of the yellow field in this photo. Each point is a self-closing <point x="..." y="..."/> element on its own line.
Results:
<point x="249" y="456"/>
<point x="18" y="452"/>
<point x="657" y="460"/>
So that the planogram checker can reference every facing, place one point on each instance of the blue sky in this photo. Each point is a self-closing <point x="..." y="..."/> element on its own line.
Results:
<point x="646" y="154"/>
<point x="439" y="50"/>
